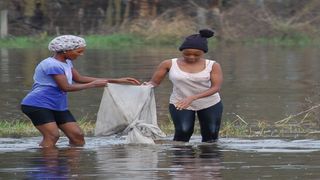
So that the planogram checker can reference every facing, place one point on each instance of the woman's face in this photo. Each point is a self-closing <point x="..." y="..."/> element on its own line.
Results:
<point x="74" y="54"/>
<point x="192" y="55"/>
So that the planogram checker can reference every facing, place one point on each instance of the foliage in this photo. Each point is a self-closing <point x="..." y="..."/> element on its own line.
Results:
<point x="163" y="20"/>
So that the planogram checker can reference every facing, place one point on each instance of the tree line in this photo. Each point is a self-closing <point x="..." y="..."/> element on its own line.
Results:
<point x="230" y="18"/>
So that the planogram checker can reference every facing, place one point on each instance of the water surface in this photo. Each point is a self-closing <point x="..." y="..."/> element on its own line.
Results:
<point x="112" y="158"/>
<point x="260" y="82"/>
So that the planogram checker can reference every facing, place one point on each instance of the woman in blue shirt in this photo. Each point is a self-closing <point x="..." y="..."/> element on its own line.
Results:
<point x="46" y="104"/>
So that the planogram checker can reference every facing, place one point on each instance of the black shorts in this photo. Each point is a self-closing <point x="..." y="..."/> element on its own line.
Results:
<point x="41" y="116"/>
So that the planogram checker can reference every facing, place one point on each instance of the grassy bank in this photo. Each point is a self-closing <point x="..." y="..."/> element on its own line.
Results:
<point x="134" y="40"/>
<point x="93" y="41"/>
<point x="303" y="125"/>
<point x="24" y="128"/>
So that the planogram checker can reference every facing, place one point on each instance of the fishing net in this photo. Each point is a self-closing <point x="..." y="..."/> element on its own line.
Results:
<point x="128" y="110"/>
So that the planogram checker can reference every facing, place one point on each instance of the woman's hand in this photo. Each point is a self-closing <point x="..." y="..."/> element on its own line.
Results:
<point x="184" y="103"/>
<point x="128" y="80"/>
<point x="150" y="84"/>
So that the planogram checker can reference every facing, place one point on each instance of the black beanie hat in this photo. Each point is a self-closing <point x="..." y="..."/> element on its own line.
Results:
<point x="197" y="41"/>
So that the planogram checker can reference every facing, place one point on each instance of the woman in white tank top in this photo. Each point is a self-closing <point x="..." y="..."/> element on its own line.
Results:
<point x="196" y="85"/>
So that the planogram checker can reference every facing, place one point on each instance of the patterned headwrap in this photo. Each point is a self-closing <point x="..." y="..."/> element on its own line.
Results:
<point x="65" y="43"/>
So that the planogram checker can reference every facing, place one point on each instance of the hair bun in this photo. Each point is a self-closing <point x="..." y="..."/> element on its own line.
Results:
<point x="206" y="33"/>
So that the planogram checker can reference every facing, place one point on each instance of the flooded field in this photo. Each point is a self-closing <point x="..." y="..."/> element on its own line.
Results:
<point x="111" y="158"/>
<point x="262" y="83"/>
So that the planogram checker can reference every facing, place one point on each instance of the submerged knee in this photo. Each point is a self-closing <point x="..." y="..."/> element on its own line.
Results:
<point x="49" y="140"/>
<point x="183" y="134"/>
<point x="53" y="136"/>
<point x="77" y="139"/>
<point x="210" y="137"/>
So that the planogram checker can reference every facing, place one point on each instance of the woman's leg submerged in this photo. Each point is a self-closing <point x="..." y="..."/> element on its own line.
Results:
<point x="210" y="120"/>
<point x="183" y="121"/>
<point x="50" y="133"/>
<point x="73" y="132"/>
<point x="67" y="123"/>
<point x="43" y="119"/>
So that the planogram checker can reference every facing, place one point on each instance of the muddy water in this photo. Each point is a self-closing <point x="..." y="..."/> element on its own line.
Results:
<point x="111" y="158"/>
<point x="260" y="82"/>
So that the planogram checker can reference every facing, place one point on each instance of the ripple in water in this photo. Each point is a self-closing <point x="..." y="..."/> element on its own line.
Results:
<point x="271" y="145"/>
<point x="225" y="144"/>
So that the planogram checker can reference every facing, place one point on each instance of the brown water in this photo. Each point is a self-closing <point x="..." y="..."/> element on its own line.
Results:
<point x="260" y="82"/>
<point x="111" y="158"/>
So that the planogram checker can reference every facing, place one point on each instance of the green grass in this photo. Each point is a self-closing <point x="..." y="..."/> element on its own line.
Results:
<point x="25" y="128"/>
<point x="93" y="41"/>
<point x="17" y="129"/>
<point x="116" y="41"/>
<point x="303" y="124"/>
<point x="289" y="127"/>
<point x="22" y="42"/>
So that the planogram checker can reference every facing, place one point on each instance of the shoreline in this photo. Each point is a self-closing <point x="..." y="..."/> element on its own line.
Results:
<point x="237" y="128"/>
<point x="116" y="41"/>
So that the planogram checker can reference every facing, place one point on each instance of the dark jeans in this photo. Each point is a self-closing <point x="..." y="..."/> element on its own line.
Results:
<point x="209" y="120"/>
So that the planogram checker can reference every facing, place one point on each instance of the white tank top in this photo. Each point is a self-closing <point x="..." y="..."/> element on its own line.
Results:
<point x="186" y="84"/>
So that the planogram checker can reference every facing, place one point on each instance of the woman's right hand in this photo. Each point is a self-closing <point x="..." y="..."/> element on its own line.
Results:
<point x="148" y="84"/>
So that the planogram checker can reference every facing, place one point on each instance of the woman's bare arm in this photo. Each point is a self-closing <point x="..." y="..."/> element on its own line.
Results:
<point x="160" y="72"/>
<point x="63" y="84"/>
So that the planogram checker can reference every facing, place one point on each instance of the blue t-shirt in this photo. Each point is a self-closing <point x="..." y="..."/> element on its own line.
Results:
<point x="45" y="91"/>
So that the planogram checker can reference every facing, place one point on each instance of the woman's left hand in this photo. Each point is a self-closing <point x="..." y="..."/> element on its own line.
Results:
<point x="184" y="103"/>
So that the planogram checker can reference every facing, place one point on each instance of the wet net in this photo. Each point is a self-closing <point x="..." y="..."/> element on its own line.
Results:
<point x="128" y="110"/>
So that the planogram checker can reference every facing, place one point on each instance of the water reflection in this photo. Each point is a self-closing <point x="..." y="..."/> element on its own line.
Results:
<point x="125" y="161"/>
<point x="192" y="162"/>
<point x="167" y="162"/>
<point x="4" y="61"/>
<point x="54" y="163"/>
<point x="110" y="158"/>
